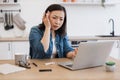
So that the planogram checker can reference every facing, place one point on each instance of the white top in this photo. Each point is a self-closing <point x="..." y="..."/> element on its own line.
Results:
<point x="54" y="49"/>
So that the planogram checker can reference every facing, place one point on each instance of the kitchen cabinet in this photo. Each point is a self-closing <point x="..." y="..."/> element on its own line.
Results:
<point x="20" y="47"/>
<point x="5" y="50"/>
<point x="8" y="49"/>
<point x="115" y="52"/>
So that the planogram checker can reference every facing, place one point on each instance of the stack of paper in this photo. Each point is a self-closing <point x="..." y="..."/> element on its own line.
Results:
<point x="9" y="68"/>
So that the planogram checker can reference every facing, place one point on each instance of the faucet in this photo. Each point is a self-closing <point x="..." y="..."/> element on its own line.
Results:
<point x="113" y="32"/>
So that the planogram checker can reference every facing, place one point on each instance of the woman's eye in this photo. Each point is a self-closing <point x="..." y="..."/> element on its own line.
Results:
<point x="54" y="18"/>
<point x="61" y="19"/>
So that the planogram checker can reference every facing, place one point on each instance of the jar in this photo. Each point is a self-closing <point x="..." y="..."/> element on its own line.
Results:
<point x="65" y="0"/>
<point x="73" y="0"/>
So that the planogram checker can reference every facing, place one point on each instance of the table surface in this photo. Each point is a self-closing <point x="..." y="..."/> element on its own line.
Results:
<point x="60" y="73"/>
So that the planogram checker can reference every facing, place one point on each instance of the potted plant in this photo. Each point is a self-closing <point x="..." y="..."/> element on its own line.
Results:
<point x="110" y="66"/>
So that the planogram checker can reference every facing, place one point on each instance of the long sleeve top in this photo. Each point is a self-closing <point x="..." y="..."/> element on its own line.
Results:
<point x="62" y="44"/>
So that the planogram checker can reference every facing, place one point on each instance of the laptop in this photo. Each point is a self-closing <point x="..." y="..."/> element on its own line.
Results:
<point x="90" y="54"/>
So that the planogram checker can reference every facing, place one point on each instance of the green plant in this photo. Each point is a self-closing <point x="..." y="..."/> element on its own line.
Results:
<point x="110" y="63"/>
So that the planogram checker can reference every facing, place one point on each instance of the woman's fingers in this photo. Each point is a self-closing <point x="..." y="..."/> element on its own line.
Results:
<point x="76" y="51"/>
<point x="46" y="20"/>
<point x="47" y="15"/>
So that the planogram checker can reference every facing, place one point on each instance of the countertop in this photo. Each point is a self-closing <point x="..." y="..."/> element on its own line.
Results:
<point x="77" y="38"/>
<point x="72" y="38"/>
<point x="14" y="39"/>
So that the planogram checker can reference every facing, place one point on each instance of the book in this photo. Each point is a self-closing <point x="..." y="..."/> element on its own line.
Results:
<point x="9" y="68"/>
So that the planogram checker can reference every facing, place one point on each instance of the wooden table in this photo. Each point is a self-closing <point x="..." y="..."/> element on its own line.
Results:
<point x="60" y="73"/>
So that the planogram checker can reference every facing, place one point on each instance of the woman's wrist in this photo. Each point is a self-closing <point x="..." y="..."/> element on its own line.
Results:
<point x="47" y="28"/>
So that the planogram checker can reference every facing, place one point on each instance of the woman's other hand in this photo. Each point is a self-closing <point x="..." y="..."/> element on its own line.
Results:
<point x="72" y="54"/>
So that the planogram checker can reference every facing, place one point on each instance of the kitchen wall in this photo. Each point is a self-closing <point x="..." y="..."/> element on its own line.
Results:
<point x="83" y="20"/>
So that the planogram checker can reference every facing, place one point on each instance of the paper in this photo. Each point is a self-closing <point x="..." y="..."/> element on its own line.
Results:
<point x="49" y="63"/>
<point x="9" y="68"/>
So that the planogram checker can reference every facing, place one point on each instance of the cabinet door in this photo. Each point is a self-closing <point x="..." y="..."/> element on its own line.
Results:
<point x="20" y="47"/>
<point x="5" y="50"/>
<point x="115" y="52"/>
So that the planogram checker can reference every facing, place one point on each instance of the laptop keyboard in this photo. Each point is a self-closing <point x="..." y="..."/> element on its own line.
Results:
<point x="70" y="65"/>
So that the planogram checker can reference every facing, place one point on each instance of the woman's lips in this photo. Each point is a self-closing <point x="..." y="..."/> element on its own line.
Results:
<point x="56" y="26"/>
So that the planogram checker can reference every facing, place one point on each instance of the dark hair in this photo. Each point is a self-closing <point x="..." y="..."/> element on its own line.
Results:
<point x="62" y="30"/>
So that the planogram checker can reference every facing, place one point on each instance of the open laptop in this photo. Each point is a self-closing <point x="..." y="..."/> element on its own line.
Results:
<point x="90" y="54"/>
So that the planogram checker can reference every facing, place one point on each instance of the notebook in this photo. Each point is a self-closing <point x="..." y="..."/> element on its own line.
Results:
<point x="9" y="68"/>
<point x="90" y="54"/>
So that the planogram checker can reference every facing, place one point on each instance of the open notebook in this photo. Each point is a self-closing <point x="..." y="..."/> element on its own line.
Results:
<point x="9" y="68"/>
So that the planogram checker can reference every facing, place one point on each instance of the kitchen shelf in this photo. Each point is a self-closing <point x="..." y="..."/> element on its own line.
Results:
<point x="10" y="6"/>
<point x="88" y="3"/>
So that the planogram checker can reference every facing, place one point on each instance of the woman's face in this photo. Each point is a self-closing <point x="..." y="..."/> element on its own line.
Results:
<point x="56" y="19"/>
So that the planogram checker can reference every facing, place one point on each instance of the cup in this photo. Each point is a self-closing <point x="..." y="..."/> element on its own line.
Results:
<point x="21" y="59"/>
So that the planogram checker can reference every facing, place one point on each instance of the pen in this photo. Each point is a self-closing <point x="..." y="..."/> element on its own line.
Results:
<point x="34" y="64"/>
<point x="45" y="70"/>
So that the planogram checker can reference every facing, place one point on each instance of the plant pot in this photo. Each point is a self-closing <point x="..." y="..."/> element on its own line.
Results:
<point x="110" y="66"/>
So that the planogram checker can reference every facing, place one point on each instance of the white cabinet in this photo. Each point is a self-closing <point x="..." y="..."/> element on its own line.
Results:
<point x="20" y="47"/>
<point x="8" y="49"/>
<point x="5" y="50"/>
<point x="115" y="52"/>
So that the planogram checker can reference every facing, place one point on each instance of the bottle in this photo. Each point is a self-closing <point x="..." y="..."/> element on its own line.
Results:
<point x="15" y="1"/>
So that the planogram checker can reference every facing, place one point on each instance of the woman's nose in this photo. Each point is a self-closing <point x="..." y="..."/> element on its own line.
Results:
<point x="57" y="22"/>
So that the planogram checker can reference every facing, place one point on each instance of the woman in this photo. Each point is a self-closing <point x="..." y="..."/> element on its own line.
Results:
<point x="49" y="39"/>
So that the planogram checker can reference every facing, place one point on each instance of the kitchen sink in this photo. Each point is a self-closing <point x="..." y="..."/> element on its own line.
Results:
<point x="108" y="36"/>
